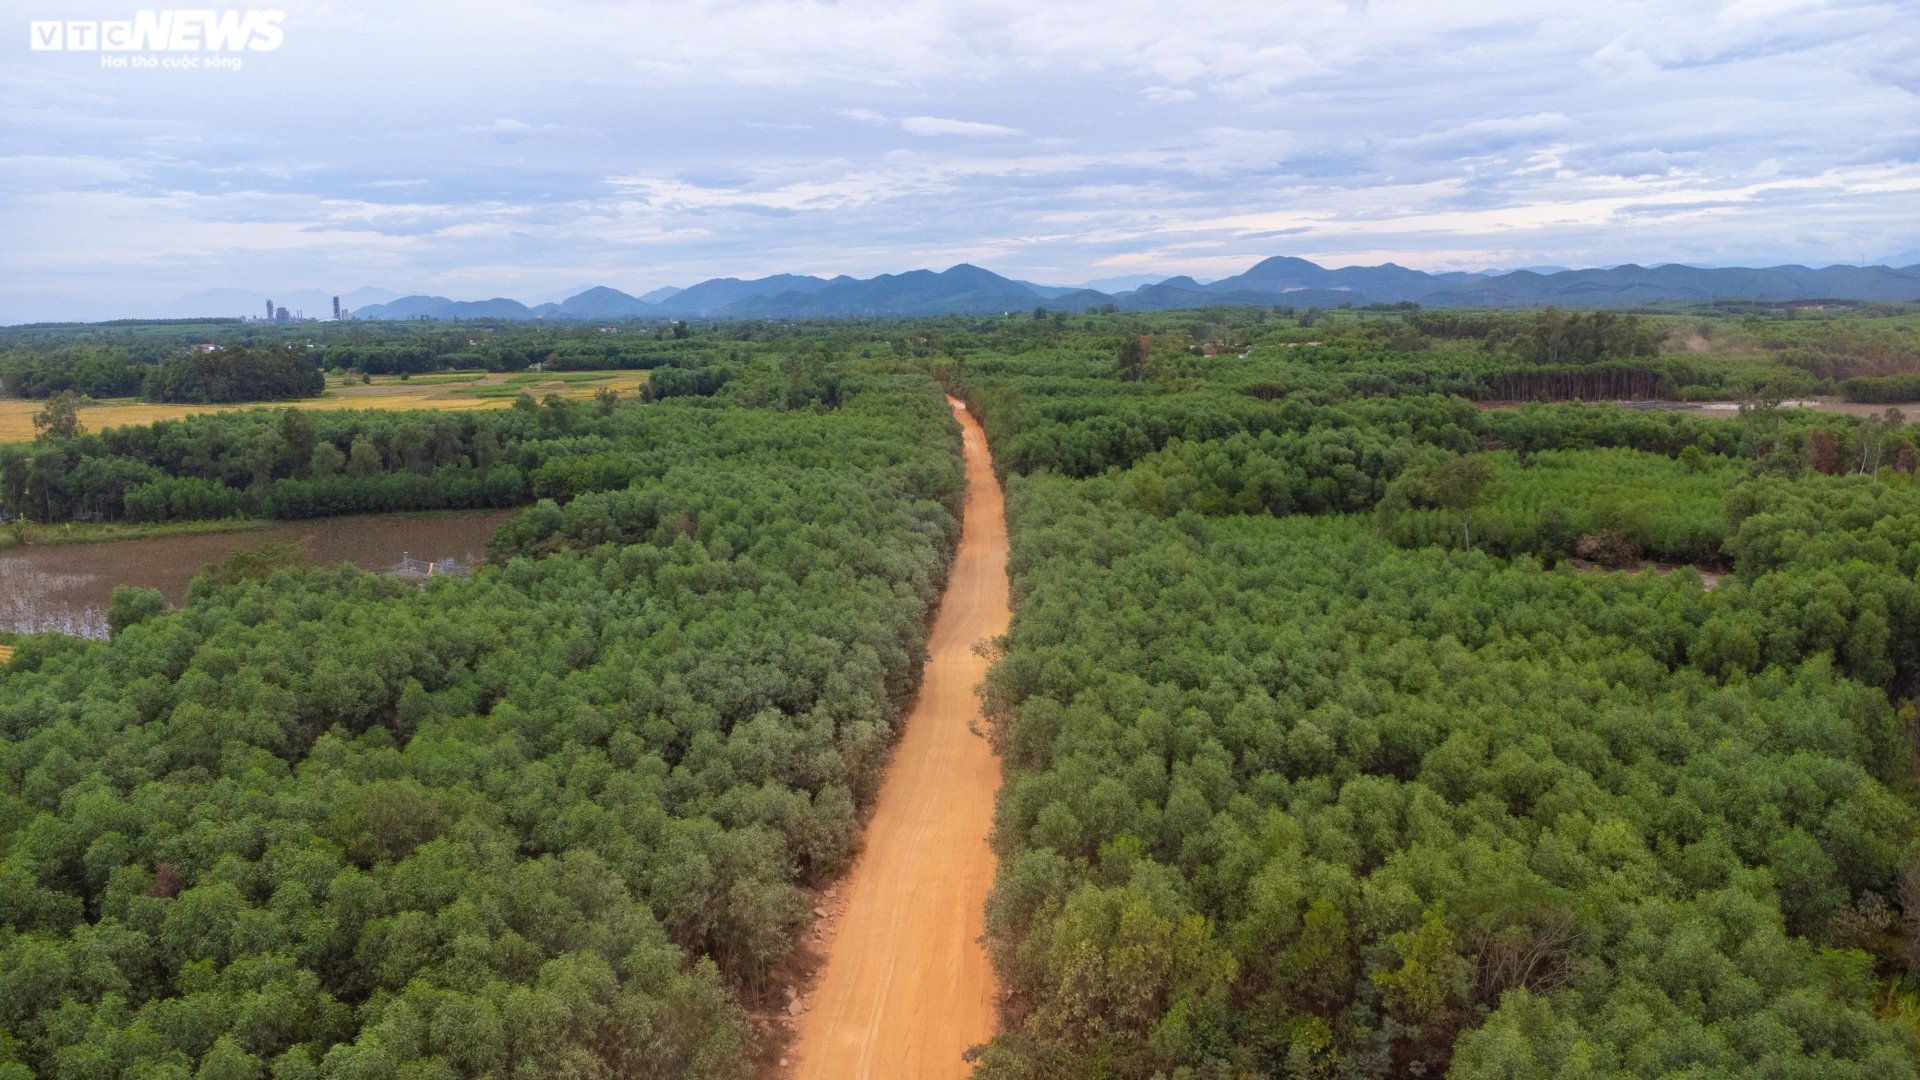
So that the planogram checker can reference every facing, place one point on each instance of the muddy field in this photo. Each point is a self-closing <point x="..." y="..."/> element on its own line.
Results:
<point x="67" y="587"/>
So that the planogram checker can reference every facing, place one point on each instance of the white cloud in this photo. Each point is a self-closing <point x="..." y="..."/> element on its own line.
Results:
<point x="936" y="125"/>
<point x="510" y="130"/>
<point x="540" y="146"/>
<point x="927" y="125"/>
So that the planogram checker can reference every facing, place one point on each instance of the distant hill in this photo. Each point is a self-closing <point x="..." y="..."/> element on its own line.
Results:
<point x="439" y="307"/>
<point x="1630" y="285"/>
<point x="601" y="302"/>
<point x="1127" y="283"/>
<point x="714" y="295"/>
<point x="1304" y="284"/>
<point x="968" y="289"/>
<point x="1051" y="291"/>
<point x="962" y="289"/>
<point x="1386" y="283"/>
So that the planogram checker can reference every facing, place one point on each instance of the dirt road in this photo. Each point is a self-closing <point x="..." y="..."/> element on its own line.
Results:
<point x="906" y="987"/>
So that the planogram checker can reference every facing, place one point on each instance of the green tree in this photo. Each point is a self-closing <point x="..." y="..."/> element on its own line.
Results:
<point x="60" y="419"/>
<point x="227" y="1060"/>
<point x="326" y="460"/>
<point x="1428" y="991"/>
<point x="1457" y="484"/>
<point x="363" y="458"/>
<point x="132" y="605"/>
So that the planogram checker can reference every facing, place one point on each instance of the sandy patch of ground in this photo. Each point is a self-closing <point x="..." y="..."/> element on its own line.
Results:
<point x="1723" y="410"/>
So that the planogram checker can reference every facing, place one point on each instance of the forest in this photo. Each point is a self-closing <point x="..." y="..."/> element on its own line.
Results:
<point x="205" y="377"/>
<point x="1325" y="758"/>
<point x="1358" y="717"/>
<point x="294" y="463"/>
<point x="197" y="376"/>
<point x="205" y="363"/>
<point x="549" y="821"/>
<point x="1707" y="353"/>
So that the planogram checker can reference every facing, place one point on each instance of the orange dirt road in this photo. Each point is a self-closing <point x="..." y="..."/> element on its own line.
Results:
<point x="906" y="987"/>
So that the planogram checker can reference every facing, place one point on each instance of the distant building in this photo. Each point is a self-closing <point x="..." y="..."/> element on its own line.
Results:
<point x="280" y="315"/>
<point x="336" y="309"/>
<point x="270" y="311"/>
<point x="203" y="346"/>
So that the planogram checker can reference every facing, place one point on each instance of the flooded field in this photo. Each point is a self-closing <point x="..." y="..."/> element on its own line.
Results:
<point x="66" y="588"/>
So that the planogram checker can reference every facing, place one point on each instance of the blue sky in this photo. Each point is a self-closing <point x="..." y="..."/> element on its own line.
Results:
<point x="524" y="149"/>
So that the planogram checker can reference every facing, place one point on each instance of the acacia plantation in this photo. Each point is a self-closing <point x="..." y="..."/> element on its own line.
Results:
<point x="1350" y="725"/>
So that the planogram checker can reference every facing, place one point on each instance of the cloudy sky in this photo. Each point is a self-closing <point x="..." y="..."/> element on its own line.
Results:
<point x="525" y="148"/>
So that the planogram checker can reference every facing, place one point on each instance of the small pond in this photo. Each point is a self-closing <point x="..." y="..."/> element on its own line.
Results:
<point x="67" y="587"/>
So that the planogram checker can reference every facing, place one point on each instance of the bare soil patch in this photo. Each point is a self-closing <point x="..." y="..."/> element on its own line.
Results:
<point x="1709" y="577"/>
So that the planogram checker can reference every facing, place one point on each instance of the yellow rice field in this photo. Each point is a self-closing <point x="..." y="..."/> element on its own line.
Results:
<point x="384" y="392"/>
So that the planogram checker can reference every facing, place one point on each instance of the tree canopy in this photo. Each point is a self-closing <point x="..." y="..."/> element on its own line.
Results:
<point x="552" y="820"/>
<point x="1298" y="786"/>
<point x="1349" y="727"/>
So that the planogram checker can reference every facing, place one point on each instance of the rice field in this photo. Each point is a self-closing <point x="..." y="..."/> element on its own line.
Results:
<point x="472" y="390"/>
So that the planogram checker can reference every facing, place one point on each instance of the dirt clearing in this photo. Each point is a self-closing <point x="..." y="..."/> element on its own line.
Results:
<point x="906" y="986"/>
<point x="1726" y="410"/>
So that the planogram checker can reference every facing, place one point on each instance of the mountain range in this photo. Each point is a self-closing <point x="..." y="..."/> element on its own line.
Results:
<point x="966" y="289"/>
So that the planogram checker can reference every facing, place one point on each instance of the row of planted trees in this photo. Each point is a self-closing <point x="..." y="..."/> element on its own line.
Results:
<point x="296" y="463"/>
